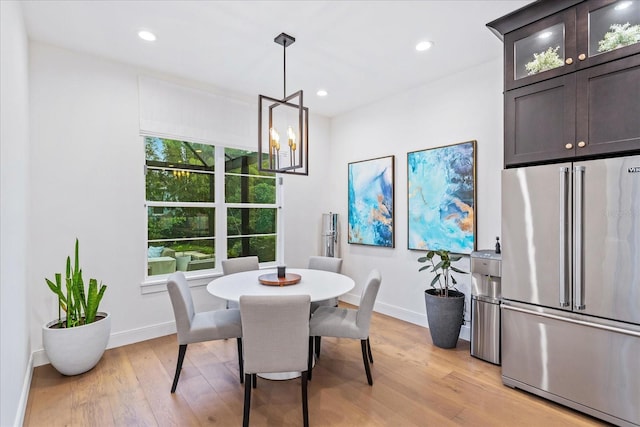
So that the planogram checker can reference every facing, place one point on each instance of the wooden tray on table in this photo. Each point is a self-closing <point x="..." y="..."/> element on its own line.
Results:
<point x="272" y="279"/>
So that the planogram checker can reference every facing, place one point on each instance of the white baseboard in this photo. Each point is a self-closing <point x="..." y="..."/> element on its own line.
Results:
<point x="419" y="319"/>
<point x="24" y="395"/>
<point x="132" y="336"/>
<point x="118" y="339"/>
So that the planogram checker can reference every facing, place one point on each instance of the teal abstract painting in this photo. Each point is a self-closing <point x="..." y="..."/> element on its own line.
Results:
<point x="371" y="202"/>
<point x="442" y="198"/>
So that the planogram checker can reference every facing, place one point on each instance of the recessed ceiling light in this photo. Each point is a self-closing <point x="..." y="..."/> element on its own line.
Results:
<point x="147" y="35"/>
<point x="545" y="35"/>
<point x="322" y="92"/>
<point x="424" y="45"/>
<point x="623" y="5"/>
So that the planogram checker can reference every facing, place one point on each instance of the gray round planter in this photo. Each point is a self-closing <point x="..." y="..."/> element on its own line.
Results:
<point x="73" y="351"/>
<point x="445" y="317"/>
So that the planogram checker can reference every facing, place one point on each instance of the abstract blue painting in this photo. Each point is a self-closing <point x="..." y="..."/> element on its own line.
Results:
<point x="442" y="198"/>
<point x="371" y="202"/>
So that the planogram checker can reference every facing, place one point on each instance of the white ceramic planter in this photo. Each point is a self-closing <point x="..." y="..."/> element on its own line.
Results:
<point x="73" y="351"/>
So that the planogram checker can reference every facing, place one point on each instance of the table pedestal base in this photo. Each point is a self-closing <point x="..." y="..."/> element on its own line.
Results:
<point x="281" y="376"/>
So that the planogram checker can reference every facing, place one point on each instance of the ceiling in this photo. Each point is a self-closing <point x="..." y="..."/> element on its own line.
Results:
<point x="359" y="51"/>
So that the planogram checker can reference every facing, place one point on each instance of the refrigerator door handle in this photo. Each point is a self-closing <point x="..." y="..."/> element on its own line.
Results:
<point x="578" y="254"/>
<point x="574" y="321"/>
<point x="563" y="283"/>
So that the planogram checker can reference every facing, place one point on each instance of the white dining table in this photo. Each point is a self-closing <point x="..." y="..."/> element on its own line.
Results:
<point x="318" y="284"/>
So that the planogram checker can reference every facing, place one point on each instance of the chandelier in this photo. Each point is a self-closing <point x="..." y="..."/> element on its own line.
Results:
<point x="283" y="127"/>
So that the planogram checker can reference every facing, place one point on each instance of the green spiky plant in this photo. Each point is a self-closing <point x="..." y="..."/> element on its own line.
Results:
<point x="443" y="280"/>
<point x="80" y="306"/>
<point x="620" y="35"/>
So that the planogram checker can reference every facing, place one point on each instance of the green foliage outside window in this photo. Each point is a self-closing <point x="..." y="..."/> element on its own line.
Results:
<point x="250" y="231"/>
<point x="180" y="172"/>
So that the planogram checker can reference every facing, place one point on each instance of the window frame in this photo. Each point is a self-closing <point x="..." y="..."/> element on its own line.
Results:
<point x="157" y="283"/>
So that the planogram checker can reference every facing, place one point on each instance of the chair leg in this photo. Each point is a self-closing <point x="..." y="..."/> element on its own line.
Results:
<point x="254" y="380"/>
<point x="247" y="400"/>
<point x="240" y="360"/>
<point x="365" y="358"/>
<point x="317" y="347"/>
<point x="369" y="350"/>
<point x="310" y="358"/>
<point x="305" y="402"/>
<point x="182" y="350"/>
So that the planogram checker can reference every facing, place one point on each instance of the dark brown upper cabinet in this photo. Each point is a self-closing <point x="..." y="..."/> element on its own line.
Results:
<point x="586" y="114"/>
<point x="572" y="80"/>
<point x="551" y="38"/>
<point x="608" y="108"/>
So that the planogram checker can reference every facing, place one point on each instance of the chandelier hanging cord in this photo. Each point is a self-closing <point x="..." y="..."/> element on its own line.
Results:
<point x="284" y="40"/>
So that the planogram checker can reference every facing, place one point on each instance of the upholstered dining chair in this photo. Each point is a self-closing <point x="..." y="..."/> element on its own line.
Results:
<point x="238" y="265"/>
<point x="276" y="338"/>
<point x="195" y="327"/>
<point x="348" y="323"/>
<point x="328" y="264"/>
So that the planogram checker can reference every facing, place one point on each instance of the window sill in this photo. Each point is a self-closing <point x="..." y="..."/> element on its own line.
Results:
<point x="155" y="284"/>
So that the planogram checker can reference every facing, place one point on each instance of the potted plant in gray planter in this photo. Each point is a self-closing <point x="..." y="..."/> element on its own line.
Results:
<point x="445" y="304"/>
<point x="75" y="342"/>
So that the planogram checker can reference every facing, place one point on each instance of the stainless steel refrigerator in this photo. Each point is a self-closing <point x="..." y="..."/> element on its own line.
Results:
<point x="571" y="285"/>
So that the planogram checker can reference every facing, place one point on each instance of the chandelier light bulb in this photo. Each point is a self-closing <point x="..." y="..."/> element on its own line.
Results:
<point x="292" y="136"/>
<point x="275" y="137"/>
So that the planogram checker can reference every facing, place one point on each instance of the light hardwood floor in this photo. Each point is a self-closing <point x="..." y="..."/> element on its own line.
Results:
<point x="415" y="384"/>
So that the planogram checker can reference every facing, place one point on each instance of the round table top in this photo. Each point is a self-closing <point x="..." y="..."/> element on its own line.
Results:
<point x="318" y="284"/>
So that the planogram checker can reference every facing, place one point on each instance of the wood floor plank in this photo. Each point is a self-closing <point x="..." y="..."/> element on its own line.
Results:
<point x="169" y="409"/>
<point x="415" y="384"/>
<point x="126" y="396"/>
<point x="89" y="399"/>
<point x="49" y="398"/>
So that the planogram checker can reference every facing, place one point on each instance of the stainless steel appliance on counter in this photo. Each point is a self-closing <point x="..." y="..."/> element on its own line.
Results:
<point x="571" y="285"/>
<point x="485" y="305"/>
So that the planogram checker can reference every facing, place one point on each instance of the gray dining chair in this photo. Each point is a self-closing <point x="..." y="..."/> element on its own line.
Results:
<point x="195" y="327"/>
<point x="276" y="338"/>
<point x="327" y="264"/>
<point x="238" y="265"/>
<point x="348" y="323"/>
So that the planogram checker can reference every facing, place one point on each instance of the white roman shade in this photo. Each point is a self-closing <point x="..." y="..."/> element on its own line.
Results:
<point x="179" y="112"/>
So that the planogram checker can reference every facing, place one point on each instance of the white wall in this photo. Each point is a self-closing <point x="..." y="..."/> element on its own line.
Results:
<point x="15" y="367"/>
<point x="85" y="164"/>
<point x="458" y="108"/>
<point x="87" y="181"/>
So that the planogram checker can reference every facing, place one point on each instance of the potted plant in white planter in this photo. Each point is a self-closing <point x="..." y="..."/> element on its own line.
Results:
<point x="75" y="342"/>
<point x="445" y="304"/>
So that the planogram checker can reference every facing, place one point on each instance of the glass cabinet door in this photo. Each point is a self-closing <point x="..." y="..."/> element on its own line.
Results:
<point x="539" y="52"/>
<point x="614" y="26"/>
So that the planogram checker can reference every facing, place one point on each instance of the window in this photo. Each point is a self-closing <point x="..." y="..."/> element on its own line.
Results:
<point x="196" y="212"/>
